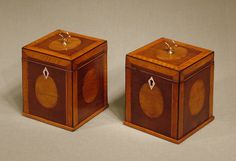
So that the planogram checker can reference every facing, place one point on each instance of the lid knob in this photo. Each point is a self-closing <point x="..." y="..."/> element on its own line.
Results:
<point x="65" y="36"/>
<point x="171" y="49"/>
<point x="64" y="41"/>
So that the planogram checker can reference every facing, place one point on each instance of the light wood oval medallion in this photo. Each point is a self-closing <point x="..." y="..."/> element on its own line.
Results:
<point x="151" y="101"/>
<point x="197" y="97"/>
<point x="46" y="91"/>
<point x="90" y="86"/>
<point x="58" y="44"/>
<point x="179" y="53"/>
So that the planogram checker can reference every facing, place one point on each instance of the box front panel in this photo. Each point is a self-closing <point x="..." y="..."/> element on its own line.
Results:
<point x="196" y="102"/>
<point x="46" y="92"/>
<point x="91" y="87"/>
<point x="151" y="101"/>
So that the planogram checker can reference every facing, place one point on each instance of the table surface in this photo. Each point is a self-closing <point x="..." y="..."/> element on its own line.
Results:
<point x="127" y="25"/>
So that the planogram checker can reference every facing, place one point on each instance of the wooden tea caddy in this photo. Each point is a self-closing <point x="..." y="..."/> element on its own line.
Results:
<point x="64" y="79"/>
<point x="169" y="89"/>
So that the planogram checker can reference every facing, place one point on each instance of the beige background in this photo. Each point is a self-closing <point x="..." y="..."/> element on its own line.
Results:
<point x="126" y="25"/>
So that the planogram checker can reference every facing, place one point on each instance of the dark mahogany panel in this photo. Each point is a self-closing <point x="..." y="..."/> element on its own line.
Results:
<point x="158" y="120"/>
<point x="90" y="87"/>
<point x="54" y="112"/>
<point x="196" y="104"/>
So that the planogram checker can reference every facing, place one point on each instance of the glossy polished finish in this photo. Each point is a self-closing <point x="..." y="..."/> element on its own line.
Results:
<point x="147" y="96"/>
<point x="197" y="97"/>
<point x="169" y="88"/>
<point x="64" y="79"/>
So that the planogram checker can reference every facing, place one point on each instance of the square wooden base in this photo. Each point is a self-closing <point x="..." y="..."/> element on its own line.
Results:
<point x="177" y="141"/>
<point x="64" y="126"/>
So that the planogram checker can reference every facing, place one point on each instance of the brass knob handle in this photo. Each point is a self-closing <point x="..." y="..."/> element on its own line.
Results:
<point x="171" y="49"/>
<point x="65" y="36"/>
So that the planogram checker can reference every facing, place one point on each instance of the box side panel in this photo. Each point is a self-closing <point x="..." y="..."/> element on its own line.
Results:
<point x="90" y="88"/>
<point x="196" y="101"/>
<point x="139" y="73"/>
<point x="47" y="92"/>
<point x="89" y="84"/>
<point x="56" y="85"/>
<point x="191" y="73"/>
<point x="150" y="101"/>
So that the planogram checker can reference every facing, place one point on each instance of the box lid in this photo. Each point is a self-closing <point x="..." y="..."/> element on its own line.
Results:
<point x="66" y="45"/>
<point x="171" y="54"/>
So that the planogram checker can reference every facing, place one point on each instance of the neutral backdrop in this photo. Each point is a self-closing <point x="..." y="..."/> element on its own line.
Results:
<point x="126" y="25"/>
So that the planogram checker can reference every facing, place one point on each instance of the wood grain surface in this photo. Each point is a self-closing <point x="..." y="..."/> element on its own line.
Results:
<point x="74" y="87"/>
<point x="181" y="100"/>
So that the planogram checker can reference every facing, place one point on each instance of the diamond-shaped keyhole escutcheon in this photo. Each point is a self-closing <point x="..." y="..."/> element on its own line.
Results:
<point x="151" y="82"/>
<point x="45" y="73"/>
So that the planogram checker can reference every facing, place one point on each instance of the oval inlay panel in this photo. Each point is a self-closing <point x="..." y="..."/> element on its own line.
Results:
<point x="46" y="91"/>
<point x="197" y="97"/>
<point x="151" y="101"/>
<point x="90" y="86"/>
<point x="58" y="44"/>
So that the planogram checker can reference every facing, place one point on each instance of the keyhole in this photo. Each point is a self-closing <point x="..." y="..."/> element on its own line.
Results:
<point x="151" y="82"/>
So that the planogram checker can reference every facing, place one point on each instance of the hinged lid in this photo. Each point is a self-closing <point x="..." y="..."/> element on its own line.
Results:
<point x="171" y="54"/>
<point x="66" y="45"/>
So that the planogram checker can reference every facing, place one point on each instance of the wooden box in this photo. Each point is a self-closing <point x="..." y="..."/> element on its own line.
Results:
<point x="64" y="79"/>
<point x="169" y="89"/>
